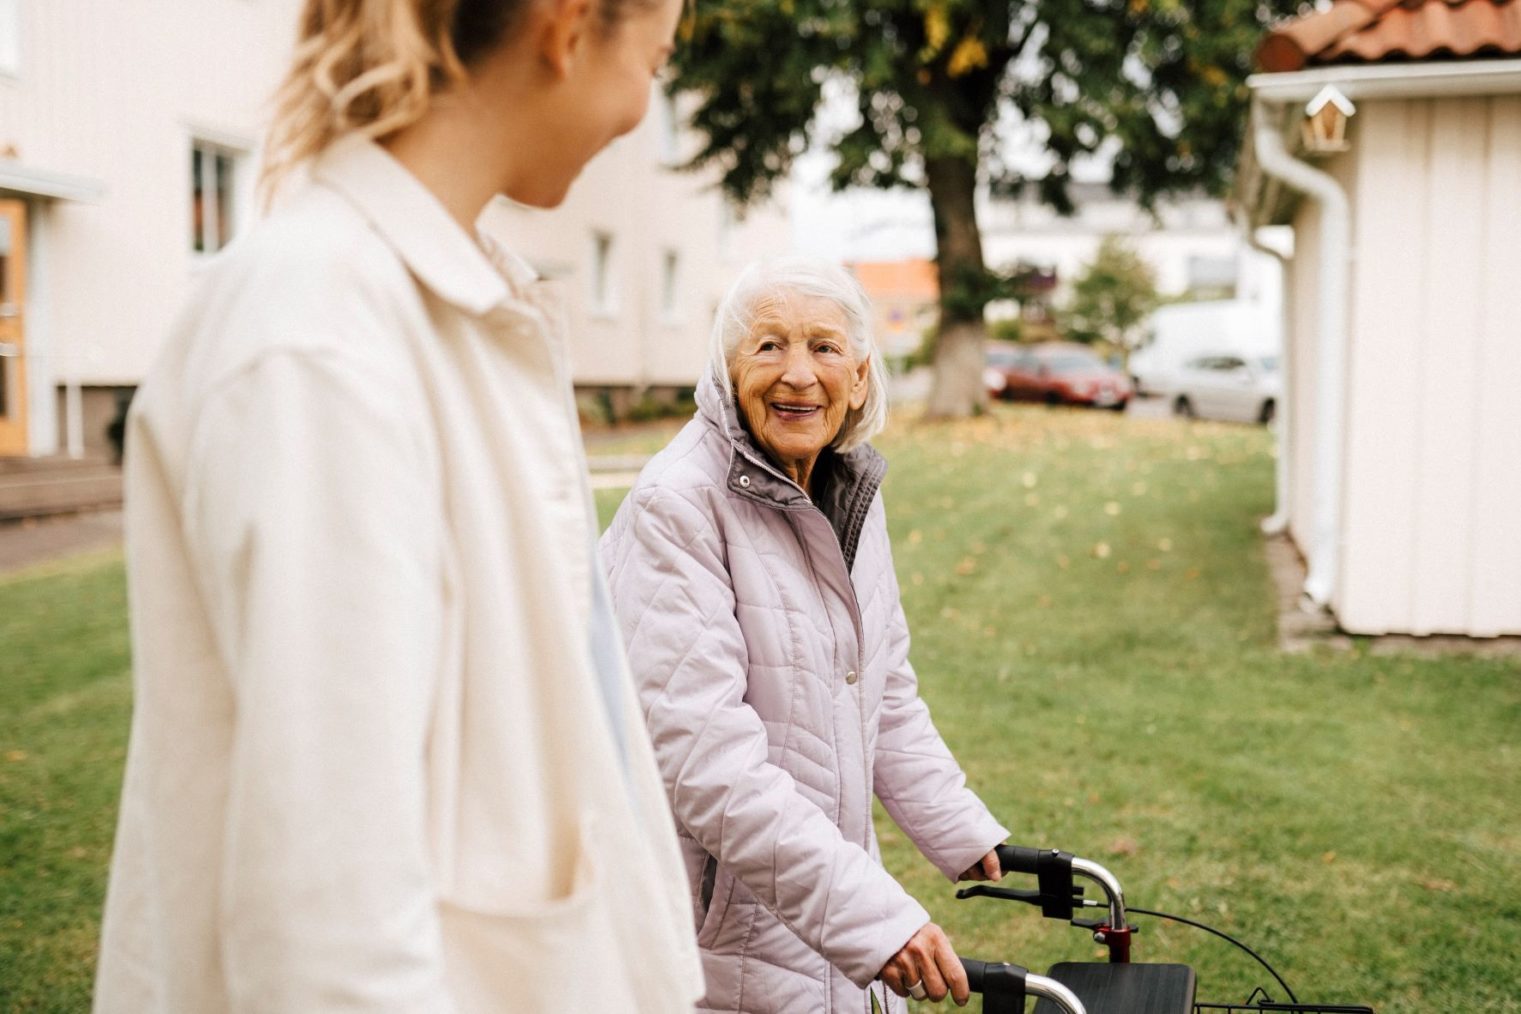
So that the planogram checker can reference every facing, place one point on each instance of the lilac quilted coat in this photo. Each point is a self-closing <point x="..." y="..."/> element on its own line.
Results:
<point x="771" y="653"/>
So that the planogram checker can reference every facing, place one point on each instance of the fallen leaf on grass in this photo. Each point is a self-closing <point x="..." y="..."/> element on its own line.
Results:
<point x="1153" y="564"/>
<point x="915" y="537"/>
<point x="1192" y="573"/>
<point x="1328" y="858"/>
<point x="1439" y="884"/>
<point x="1124" y="846"/>
<point x="1112" y="508"/>
<point x="1101" y="550"/>
<point x="1123" y="567"/>
<point x="967" y="565"/>
<point x="1165" y="545"/>
<point x="15" y="756"/>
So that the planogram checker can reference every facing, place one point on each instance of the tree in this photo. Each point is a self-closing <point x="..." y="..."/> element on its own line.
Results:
<point x="1112" y="298"/>
<point x="1154" y="86"/>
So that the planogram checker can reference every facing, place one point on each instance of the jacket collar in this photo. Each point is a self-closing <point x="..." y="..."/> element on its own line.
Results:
<point x="845" y="496"/>
<point x="471" y="273"/>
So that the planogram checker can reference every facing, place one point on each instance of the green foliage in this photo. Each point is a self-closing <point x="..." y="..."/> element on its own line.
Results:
<point x="1112" y="298"/>
<point x="1162" y="82"/>
<point x="1010" y="330"/>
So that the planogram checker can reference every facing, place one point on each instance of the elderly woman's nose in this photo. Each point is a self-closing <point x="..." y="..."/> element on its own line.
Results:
<point x="798" y="368"/>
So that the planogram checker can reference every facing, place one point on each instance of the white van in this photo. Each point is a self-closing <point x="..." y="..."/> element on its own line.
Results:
<point x="1186" y="333"/>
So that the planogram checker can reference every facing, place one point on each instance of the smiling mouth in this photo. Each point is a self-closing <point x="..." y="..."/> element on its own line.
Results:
<point x="794" y="411"/>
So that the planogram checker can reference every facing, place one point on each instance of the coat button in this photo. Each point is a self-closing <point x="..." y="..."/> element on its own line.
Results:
<point x="744" y="481"/>
<point x="850" y="678"/>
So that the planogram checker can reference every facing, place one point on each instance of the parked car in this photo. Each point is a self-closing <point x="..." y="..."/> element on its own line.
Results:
<point x="1181" y="333"/>
<point x="1237" y="388"/>
<point x="1057" y="373"/>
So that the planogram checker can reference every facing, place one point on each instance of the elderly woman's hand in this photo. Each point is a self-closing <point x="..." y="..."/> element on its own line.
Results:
<point x="928" y="959"/>
<point x="986" y="868"/>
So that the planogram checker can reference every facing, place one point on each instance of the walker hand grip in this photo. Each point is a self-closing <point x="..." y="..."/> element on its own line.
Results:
<point x="1004" y="988"/>
<point x="1018" y="859"/>
<point x="994" y="978"/>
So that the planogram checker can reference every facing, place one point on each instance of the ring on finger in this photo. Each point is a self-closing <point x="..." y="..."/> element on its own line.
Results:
<point x="917" y="990"/>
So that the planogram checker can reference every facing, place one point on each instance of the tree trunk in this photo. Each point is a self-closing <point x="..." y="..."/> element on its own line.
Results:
<point x="957" y="390"/>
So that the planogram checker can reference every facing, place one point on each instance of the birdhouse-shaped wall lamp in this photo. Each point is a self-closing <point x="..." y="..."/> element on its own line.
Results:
<point x="1325" y="122"/>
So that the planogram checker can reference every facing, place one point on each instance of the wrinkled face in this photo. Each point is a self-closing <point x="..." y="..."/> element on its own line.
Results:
<point x="795" y="377"/>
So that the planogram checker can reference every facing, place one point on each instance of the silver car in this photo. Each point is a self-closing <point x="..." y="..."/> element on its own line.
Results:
<point x="1234" y="387"/>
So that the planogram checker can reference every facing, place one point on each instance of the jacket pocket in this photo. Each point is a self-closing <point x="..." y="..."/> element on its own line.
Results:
<point x="496" y="957"/>
<point x="716" y="904"/>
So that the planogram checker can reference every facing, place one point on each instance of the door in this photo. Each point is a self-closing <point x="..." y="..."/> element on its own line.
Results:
<point x="12" y="328"/>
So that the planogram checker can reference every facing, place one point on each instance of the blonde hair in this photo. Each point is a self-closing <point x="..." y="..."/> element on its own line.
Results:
<point x="809" y="276"/>
<point x="372" y="67"/>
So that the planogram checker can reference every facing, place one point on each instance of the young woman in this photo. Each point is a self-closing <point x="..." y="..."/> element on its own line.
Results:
<point x="385" y="753"/>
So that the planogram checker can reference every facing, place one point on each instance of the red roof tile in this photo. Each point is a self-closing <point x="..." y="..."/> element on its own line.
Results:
<point x="1375" y="31"/>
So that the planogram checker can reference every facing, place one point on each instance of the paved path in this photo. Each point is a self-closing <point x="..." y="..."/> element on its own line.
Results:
<point x="25" y="544"/>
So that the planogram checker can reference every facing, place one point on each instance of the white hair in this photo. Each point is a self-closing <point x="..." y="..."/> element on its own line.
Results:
<point x="808" y="276"/>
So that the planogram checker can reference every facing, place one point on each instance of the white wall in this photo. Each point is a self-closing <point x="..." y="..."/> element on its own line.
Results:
<point x="647" y="210"/>
<point x="115" y="92"/>
<point x="1431" y="538"/>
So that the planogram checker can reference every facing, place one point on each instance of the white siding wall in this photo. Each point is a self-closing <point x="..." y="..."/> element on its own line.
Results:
<point x="647" y="211"/>
<point x="1432" y="494"/>
<point x="1303" y="278"/>
<point x="114" y="92"/>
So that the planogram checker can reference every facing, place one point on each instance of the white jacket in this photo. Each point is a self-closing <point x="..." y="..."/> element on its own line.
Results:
<point x="371" y="767"/>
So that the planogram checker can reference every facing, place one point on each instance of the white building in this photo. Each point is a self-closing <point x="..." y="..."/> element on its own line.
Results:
<point x="1192" y="244"/>
<point x="647" y="252"/>
<point x="129" y="138"/>
<point x="1403" y="342"/>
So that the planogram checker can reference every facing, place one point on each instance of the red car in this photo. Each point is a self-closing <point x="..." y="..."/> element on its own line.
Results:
<point x="1057" y="373"/>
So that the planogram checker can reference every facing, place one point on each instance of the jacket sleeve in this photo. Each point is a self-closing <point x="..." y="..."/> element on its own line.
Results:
<point x="918" y="781"/>
<point x="316" y="544"/>
<point x="675" y="599"/>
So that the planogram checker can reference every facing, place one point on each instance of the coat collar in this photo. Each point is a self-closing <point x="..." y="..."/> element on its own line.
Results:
<point x="846" y="495"/>
<point x="472" y="273"/>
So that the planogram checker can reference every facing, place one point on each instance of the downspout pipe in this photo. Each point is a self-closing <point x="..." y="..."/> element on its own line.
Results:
<point x="1331" y="341"/>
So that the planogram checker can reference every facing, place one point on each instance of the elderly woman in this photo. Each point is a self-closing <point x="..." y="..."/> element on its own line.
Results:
<point x="751" y="571"/>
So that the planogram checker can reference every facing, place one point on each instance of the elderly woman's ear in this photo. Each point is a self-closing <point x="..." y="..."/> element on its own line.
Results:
<point x="862" y="385"/>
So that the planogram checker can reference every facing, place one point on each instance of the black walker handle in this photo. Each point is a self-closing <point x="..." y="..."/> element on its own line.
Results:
<point x="1004" y="988"/>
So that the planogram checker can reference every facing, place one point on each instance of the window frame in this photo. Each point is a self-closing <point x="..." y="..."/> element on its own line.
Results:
<point x="670" y="285"/>
<point x="603" y="275"/>
<point x="214" y="152"/>
<point x="12" y="28"/>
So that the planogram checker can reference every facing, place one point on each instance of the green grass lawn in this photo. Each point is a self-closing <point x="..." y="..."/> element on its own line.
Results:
<point x="1094" y="632"/>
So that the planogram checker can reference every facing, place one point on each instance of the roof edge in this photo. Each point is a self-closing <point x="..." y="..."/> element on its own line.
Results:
<point x="1391" y="81"/>
<point x="21" y="179"/>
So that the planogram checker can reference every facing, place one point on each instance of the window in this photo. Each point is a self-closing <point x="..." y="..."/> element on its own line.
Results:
<point x="670" y="280"/>
<point x="10" y="37"/>
<point x="213" y="184"/>
<point x="604" y="294"/>
<point x="1213" y="277"/>
<point x="669" y="126"/>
